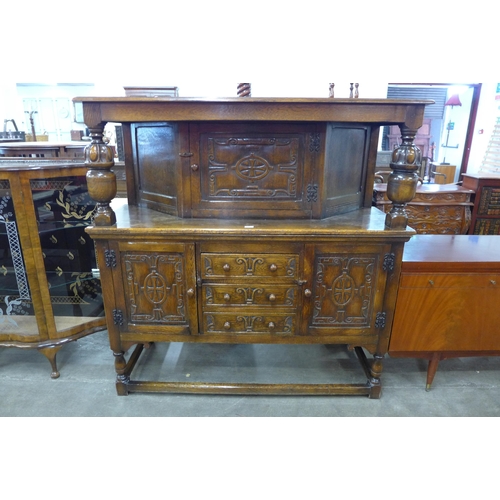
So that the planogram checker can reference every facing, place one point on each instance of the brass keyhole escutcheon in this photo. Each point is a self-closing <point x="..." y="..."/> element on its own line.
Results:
<point x="195" y="167"/>
<point x="272" y="297"/>
<point x="307" y="292"/>
<point x="273" y="267"/>
<point x="227" y="297"/>
<point x="226" y="267"/>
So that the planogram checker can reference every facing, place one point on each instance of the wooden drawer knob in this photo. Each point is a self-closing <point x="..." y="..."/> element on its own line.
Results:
<point x="227" y="325"/>
<point x="272" y="297"/>
<point x="227" y="297"/>
<point x="190" y="292"/>
<point x="271" y="325"/>
<point x="226" y="267"/>
<point x="307" y="292"/>
<point x="273" y="267"/>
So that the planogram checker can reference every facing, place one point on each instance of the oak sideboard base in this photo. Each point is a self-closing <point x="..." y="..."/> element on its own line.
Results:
<point x="124" y="384"/>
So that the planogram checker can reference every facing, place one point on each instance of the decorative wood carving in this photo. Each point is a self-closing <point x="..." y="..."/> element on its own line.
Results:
<point x="101" y="181"/>
<point x="155" y="287"/>
<point x="402" y="184"/>
<point x="235" y="170"/>
<point x="344" y="290"/>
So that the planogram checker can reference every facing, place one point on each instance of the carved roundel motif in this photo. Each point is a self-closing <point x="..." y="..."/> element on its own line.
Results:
<point x="155" y="288"/>
<point x="252" y="168"/>
<point x="343" y="289"/>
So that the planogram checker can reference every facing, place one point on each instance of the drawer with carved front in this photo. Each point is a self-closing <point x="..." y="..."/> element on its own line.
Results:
<point x="270" y="295"/>
<point x="262" y="265"/>
<point x="248" y="323"/>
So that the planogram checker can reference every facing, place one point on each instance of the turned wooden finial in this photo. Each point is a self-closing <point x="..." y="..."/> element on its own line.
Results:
<point x="356" y="90"/>
<point x="351" y="89"/>
<point x="331" y="90"/>
<point x="244" y="90"/>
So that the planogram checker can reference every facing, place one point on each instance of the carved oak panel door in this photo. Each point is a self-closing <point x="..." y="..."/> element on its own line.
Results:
<point x="348" y="285"/>
<point x="159" y="288"/>
<point x="251" y="169"/>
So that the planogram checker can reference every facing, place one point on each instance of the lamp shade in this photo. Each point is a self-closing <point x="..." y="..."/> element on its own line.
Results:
<point x="454" y="100"/>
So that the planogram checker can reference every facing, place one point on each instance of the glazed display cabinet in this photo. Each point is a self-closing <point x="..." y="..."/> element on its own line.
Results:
<point x="50" y="293"/>
<point x="249" y="221"/>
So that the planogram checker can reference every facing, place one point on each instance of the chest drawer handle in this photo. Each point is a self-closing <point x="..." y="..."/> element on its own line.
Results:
<point x="227" y="325"/>
<point x="226" y="267"/>
<point x="194" y="167"/>
<point x="227" y="297"/>
<point x="272" y="297"/>
<point x="493" y="282"/>
<point x="271" y="325"/>
<point x="307" y="292"/>
<point x="431" y="282"/>
<point x="190" y="292"/>
<point x="273" y="267"/>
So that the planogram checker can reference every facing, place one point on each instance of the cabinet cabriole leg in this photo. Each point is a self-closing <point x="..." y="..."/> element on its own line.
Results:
<point x="50" y="353"/>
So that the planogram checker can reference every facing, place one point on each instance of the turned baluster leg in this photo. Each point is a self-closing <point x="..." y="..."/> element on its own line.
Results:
<point x="376" y="372"/>
<point x="50" y="353"/>
<point x="402" y="182"/>
<point x="101" y="181"/>
<point x="122" y="377"/>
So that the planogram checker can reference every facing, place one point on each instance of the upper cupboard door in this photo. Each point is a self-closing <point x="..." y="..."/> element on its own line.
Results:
<point x="252" y="170"/>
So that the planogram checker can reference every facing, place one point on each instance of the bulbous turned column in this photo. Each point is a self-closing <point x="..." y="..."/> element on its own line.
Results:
<point x="101" y="181"/>
<point x="402" y="182"/>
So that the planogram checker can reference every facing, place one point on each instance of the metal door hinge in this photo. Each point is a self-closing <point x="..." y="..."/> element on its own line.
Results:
<point x="389" y="261"/>
<point x="118" y="317"/>
<point x="312" y="192"/>
<point x="314" y="142"/>
<point x="110" y="258"/>
<point x="380" y="320"/>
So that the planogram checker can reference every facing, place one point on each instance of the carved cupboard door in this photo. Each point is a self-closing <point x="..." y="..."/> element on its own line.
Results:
<point x="346" y="298"/>
<point x="157" y="292"/>
<point x="261" y="169"/>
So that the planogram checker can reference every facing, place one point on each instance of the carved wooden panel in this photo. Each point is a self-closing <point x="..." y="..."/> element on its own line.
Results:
<point x="155" y="287"/>
<point x="250" y="295"/>
<point x="253" y="167"/>
<point x="244" y="265"/>
<point x="250" y="323"/>
<point x="345" y="288"/>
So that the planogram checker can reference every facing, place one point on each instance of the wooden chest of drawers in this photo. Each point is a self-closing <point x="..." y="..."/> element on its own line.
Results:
<point x="435" y="209"/>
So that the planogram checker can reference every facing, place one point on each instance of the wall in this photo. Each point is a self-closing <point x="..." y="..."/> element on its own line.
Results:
<point x="487" y="114"/>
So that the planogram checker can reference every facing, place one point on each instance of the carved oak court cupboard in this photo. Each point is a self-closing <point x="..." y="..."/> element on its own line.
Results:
<point x="250" y="221"/>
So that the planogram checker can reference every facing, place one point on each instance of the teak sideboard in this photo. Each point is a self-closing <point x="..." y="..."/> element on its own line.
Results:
<point x="448" y="300"/>
<point x="250" y="221"/>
